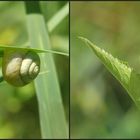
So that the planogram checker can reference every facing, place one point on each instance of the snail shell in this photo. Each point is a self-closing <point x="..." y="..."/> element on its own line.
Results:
<point x="20" y="67"/>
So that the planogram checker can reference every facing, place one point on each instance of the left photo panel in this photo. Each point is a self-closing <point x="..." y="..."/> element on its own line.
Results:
<point x="34" y="75"/>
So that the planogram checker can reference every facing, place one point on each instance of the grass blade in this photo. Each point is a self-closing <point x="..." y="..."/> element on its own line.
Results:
<point x="55" y="20"/>
<point x="52" y="117"/>
<point x="5" y="47"/>
<point x="58" y="17"/>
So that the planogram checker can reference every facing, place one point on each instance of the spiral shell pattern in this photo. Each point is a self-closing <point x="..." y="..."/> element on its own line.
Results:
<point x="20" y="68"/>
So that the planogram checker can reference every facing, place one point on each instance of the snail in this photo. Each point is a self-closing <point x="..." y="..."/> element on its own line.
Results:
<point x="20" y="67"/>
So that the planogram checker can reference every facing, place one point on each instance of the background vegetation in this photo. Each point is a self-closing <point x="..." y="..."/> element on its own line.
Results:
<point x="100" y="107"/>
<point x="19" y="117"/>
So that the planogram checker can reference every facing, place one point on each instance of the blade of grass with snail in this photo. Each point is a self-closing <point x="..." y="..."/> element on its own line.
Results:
<point x="128" y="78"/>
<point x="52" y="116"/>
<point x="3" y="47"/>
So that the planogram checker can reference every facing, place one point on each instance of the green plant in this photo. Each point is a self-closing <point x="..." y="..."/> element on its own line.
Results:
<point x="128" y="78"/>
<point x="52" y="117"/>
<point x="51" y="112"/>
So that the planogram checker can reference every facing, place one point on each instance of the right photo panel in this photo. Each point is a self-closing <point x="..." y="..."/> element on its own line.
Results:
<point x="105" y="69"/>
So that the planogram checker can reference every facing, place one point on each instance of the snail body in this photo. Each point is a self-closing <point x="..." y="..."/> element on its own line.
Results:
<point x="20" y="67"/>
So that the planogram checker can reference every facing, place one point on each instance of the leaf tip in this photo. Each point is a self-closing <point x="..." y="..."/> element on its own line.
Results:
<point x="88" y="43"/>
<point x="83" y="39"/>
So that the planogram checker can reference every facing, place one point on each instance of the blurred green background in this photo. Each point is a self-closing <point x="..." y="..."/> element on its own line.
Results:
<point x="19" y="116"/>
<point x="100" y="107"/>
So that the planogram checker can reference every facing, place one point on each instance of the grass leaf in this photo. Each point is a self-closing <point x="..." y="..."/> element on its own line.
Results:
<point x="56" y="20"/>
<point x="5" y="47"/>
<point x="52" y="116"/>
<point x="58" y="17"/>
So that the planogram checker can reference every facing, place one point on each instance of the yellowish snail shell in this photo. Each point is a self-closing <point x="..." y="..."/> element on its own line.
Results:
<point x="20" y="67"/>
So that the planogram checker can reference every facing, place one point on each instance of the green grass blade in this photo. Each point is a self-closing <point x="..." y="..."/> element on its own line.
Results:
<point x="3" y="47"/>
<point x="128" y="78"/>
<point x="52" y="116"/>
<point x="58" y="17"/>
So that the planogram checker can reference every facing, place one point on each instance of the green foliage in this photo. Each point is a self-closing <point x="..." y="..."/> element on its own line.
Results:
<point x="19" y="114"/>
<point x="105" y="108"/>
<point x="122" y="72"/>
